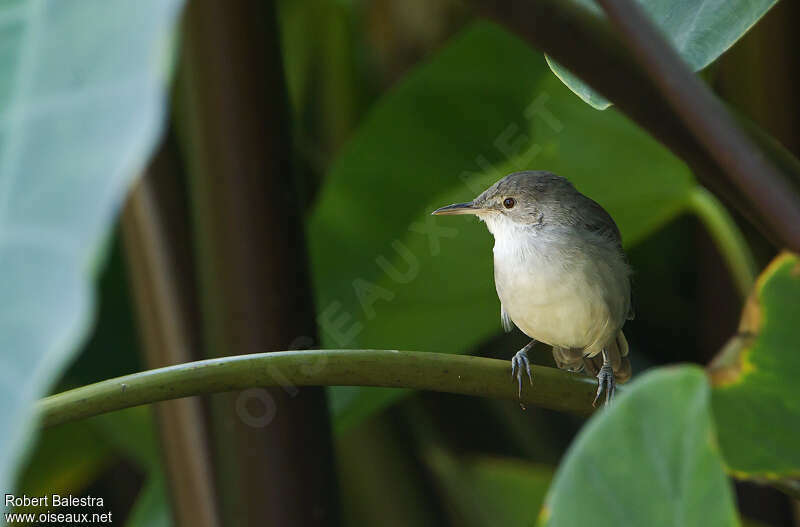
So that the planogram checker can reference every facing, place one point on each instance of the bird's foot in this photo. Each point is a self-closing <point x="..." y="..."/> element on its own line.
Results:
<point x="519" y="362"/>
<point x="605" y="384"/>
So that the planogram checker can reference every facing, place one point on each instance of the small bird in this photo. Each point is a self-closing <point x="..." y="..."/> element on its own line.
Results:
<point x="560" y="273"/>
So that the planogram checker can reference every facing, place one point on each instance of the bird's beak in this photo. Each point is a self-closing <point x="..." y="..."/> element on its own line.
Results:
<point x="457" y="208"/>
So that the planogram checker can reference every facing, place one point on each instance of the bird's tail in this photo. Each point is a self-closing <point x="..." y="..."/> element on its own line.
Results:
<point x="617" y="352"/>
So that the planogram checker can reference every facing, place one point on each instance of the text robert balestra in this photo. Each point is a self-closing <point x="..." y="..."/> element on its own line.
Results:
<point x="52" y="500"/>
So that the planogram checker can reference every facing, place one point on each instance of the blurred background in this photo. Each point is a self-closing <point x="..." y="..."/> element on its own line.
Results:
<point x="351" y="120"/>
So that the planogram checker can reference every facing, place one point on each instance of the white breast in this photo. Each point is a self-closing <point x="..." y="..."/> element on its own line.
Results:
<point x="559" y="290"/>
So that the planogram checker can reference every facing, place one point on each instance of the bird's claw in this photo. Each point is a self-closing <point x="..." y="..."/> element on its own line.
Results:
<point x="605" y="383"/>
<point x="518" y="362"/>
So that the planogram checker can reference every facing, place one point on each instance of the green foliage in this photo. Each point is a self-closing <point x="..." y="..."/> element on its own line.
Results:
<point x="410" y="281"/>
<point x="486" y="491"/>
<point x="755" y="399"/>
<point x="728" y="238"/>
<point x="317" y="42"/>
<point x="132" y="434"/>
<point x="81" y="98"/>
<point x="65" y="460"/>
<point x="152" y="507"/>
<point x="651" y="459"/>
<point x="700" y="30"/>
<point x="81" y="103"/>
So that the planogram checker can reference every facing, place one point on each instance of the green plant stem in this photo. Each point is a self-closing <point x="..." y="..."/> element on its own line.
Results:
<point x="552" y="388"/>
<point x="727" y="237"/>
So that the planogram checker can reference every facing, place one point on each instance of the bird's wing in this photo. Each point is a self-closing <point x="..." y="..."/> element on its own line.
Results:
<point x="596" y="219"/>
<point x="508" y="325"/>
<point x="599" y="221"/>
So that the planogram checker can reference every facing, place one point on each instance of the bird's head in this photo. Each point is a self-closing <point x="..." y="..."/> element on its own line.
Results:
<point x="519" y="200"/>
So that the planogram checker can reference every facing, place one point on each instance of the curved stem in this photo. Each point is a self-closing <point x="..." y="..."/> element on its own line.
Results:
<point x="745" y="165"/>
<point x="612" y="70"/>
<point x="555" y="389"/>
<point x="727" y="237"/>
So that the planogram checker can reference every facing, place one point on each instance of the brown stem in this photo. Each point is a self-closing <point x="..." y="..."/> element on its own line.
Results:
<point x="706" y="117"/>
<point x="161" y="315"/>
<point x="253" y="272"/>
<point x="595" y="53"/>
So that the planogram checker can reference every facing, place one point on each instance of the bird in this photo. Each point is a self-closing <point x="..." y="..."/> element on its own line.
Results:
<point x="560" y="273"/>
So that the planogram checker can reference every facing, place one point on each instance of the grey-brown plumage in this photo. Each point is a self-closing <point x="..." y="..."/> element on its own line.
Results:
<point x="560" y="272"/>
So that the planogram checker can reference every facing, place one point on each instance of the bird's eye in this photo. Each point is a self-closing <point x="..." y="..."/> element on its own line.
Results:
<point x="509" y="203"/>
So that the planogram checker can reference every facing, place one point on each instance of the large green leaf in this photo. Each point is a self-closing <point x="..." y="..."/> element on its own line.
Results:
<point x="454" y="126"/>
<point x="700" y="30"/>
<point x="81" y="103"/>
<point x="650" y="459"/>
<point x="755" y="396"/>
